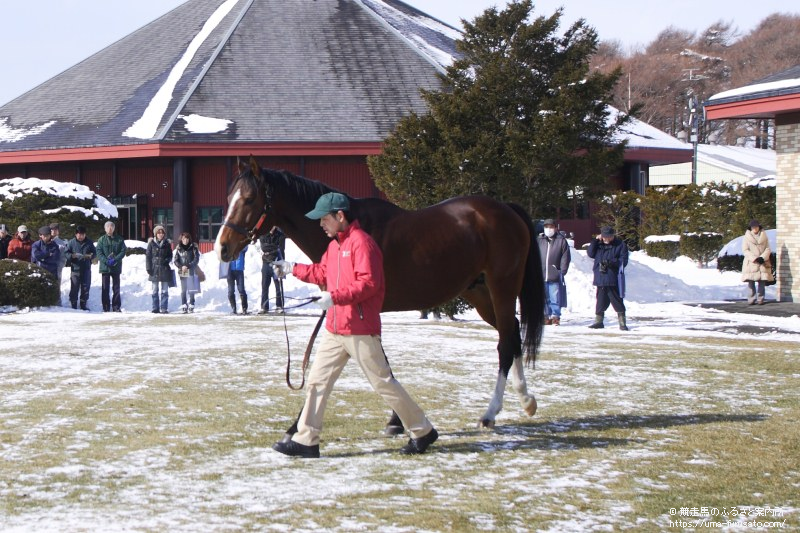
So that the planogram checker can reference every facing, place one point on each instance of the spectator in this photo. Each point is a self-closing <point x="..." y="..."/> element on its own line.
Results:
<point x="62" y="246"/>
<point x="20" y="246"/>
<point x="236" y="280"/>
<point x="110" y="253"/>
<point x="273" y="248"/>
<point x="45" y="252"/>
<point x="610" y="256"/>
<point x="757" y="266"/>
<point x="352" y="271"/>
<point x="81" y="252"/>
<point x="5" y="238"/>
<point x="157" y="259"/>
<point x="187" y="255"/>
<point x="554" y="251"/>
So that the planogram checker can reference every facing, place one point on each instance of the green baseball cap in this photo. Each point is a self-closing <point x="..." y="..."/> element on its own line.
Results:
<point x="329" y="203"/>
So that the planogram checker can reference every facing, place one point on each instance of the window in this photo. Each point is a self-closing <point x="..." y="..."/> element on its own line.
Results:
<point x="163" y="216"/>
<point x="209" y="220"/>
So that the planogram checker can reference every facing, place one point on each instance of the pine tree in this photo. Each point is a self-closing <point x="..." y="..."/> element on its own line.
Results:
<point x="519" y="118"/>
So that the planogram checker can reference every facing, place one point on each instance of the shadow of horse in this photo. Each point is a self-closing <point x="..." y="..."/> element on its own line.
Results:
<point x="554" y="434"/>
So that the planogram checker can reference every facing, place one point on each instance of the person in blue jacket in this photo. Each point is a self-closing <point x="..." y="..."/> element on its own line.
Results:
<point x="236" y="280"/>
<point x="610" y="256"/>
<point x="46" y="253"/>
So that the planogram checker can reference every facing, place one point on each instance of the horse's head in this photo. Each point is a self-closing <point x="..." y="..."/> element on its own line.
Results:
<point x="248" y="209"/>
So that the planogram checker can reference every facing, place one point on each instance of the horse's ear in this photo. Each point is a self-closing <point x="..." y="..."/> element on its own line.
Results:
<point x="240" y="164"/>
<point x="254" y="166"/>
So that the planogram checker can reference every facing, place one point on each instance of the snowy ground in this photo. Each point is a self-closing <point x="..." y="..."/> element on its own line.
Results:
<point x="142" y="463"/>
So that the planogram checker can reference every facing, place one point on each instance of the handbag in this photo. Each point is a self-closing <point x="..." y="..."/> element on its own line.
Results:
<point x="201" y="276"/>
<point x="172" y="281"/>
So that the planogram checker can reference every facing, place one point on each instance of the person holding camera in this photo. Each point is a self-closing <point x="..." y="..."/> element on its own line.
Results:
<point x="110" y="253"/>
<point x="610" y="256"/>
<point x="81" y="252"/>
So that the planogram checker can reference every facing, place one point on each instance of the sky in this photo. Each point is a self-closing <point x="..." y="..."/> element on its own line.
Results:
<point x="42" y="38"/>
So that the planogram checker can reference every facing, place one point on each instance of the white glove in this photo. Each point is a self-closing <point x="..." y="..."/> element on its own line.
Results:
<point x="325" y="300"/>
<point x="282" y="268"/>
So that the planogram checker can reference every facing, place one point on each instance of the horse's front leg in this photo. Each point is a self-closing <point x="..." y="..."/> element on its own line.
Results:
<point x="496" y="405"/>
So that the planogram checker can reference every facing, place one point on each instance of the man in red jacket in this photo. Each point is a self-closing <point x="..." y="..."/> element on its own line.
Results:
<point x="352" y="271"/>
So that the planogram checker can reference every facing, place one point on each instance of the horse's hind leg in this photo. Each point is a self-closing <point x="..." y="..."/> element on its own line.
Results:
<point x="521" y="387"/>
<point x="394" y="426"/>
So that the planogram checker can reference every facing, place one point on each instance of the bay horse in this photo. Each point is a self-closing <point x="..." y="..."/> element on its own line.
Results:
<point x="472" y="246"/>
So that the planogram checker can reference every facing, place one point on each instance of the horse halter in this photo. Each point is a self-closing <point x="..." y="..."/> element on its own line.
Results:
<point x="255" y="232"/>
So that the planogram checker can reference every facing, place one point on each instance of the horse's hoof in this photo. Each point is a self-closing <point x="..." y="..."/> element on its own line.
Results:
<point x="286" y="438"/>
<point x="531" y="407"/>
<point x="486" y="424"/>
<point x="391" y="431"/>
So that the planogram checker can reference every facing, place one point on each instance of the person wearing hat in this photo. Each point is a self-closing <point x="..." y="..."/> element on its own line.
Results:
<point x="81" y="252"/>
<point x="554" y="252"/>
<point x="20" y="246"/>
<point x="45" y="253"/>
<point x="351" y="269"/>
<point x="610" y="256"/>
<point x="111" y="251"/>
<point x="757" y="266"/>
<point x="55" y="231"/>
<point x="157" y="259"/>
<point x="5" y="238"/>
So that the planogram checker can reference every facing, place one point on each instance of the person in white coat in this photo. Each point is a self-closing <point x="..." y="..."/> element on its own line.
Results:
<point x="757" y="267"/>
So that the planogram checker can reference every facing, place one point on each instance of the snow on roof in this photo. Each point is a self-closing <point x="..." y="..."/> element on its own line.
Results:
<point x="147" y="126"/>
<point x="757" y="88"/>
<point x="642" y="135"/>
<point x="422" y="31"/>
<point x="750" y="162"/>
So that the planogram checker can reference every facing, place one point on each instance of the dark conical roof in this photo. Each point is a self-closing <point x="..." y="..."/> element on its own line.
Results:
<point x="242" y="71"/>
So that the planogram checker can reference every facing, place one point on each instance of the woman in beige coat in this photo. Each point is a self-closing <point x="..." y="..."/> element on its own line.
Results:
<point x="756" y="267"/>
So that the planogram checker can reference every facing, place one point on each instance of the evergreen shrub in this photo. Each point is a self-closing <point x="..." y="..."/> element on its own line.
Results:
<point x="23" y="284"/>
<point x="669" y="250"/>
<point x="701" y="247"/>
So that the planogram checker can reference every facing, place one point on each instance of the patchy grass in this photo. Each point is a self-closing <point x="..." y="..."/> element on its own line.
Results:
<point x="166" y="423"/>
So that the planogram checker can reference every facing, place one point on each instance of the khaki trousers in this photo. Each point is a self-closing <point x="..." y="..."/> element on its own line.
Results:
<point x="333" y="353"/>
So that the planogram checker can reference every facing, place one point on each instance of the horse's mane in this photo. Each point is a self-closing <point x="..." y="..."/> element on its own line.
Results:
<point x="305" y="190"/>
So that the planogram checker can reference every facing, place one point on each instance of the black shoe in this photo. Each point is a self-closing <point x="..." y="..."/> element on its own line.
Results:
<point x="164" y="312"/>
<point x="84" y="308"/>
<point x="156" y="311"/>
<point x="295" y="449"/>
<point x="117" y="310"/>
<point x="75" y="305"/>
<point x="263" y="312"/>
<point x="417" y="446"/>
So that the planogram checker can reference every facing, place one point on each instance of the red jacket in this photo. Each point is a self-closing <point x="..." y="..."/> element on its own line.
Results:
<point x="352" y="270"/>
<point x="19" y="249"/>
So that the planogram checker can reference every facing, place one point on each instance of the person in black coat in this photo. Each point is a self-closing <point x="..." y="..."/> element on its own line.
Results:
<point x="80" y="254"/>
<point x="273" y="247"/>
<point x="5" y="238"/>
<point x="610" y="256"/>
<point x="158" y="258"/>
<point x="187" y="256"/>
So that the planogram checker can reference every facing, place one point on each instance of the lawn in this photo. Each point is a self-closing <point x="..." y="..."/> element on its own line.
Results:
<point x="164" y="423"/>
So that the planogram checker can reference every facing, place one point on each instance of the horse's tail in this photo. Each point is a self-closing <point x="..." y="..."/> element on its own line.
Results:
<point x="531" y="297"/>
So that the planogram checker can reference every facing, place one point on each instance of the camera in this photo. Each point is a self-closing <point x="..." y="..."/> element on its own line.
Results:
<point x="603" y="267"/>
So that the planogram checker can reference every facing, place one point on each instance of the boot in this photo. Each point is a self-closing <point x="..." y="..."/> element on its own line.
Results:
<point x="598" y="322"/>
<point x="622" y="325"/>
<point x="244" y="304"/>
<point x="556" y="321"/>
<point x="232" y="300"/>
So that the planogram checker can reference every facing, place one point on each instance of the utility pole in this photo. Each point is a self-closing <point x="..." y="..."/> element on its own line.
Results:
<point x="693" y="121"/>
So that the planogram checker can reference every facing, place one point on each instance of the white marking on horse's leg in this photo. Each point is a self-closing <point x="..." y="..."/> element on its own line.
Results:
<point x="496" y="405"/>
<point x="217" y="245"/>
<point x="521" y="387"/>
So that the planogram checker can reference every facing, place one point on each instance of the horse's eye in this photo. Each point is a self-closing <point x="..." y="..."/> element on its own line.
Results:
<point x="249" y="201"/>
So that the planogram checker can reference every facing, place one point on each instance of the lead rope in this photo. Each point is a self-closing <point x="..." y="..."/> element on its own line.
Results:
<point x="306" y="356"/>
